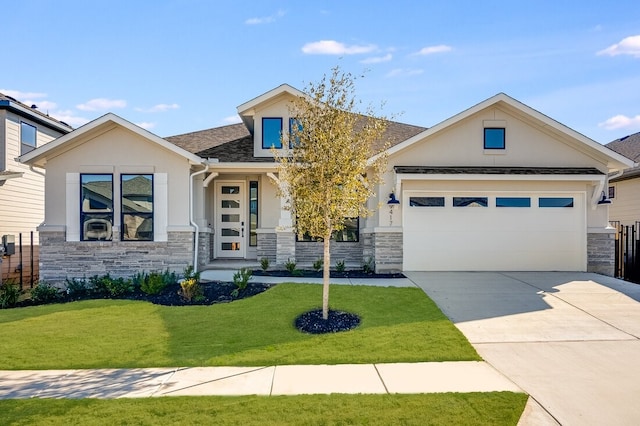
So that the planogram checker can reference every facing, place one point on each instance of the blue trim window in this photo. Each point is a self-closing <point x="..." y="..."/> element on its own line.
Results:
<point x="426" y="201"/>
<point x="28" y="136"/>
<point x="136" y="207"/>
<point x="513" y="202"/>
<point x="555" y="202"/>
<point x="96" y="207"/>
<point x="470" y="201"/>
<point x="271" y="131"/>
<point x="295" y="126"/>
<point x="350" y="233"/>
<point x="494" y="138"/>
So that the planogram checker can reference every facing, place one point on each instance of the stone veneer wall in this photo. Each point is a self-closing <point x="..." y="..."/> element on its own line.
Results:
<point x="285" y="247"/>
<point x="308" y="252"/>
<point x="386" y="250"/>
<point x="601" y="253"/>
<point x="205" y="240"/>
<point x="267" y="246"/>
<point x="60" y="259"/>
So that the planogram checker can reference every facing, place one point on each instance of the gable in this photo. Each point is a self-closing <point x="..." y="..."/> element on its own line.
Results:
<point x="530" y="140"/>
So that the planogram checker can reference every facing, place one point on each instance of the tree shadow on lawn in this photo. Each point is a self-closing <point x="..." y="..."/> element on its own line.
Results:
<point x="403" y="323"/>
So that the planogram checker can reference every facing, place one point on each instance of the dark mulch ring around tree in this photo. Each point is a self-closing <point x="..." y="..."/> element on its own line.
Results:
<point x="312" y="322"/>
<point x="318" y="274"/>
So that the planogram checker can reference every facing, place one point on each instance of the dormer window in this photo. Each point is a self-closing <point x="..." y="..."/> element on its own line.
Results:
<point x="271" y="131"/>
<point x="494" y="138"/>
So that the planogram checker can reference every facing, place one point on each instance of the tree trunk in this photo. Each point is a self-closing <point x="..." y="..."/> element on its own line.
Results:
<point x="326" y="276"/>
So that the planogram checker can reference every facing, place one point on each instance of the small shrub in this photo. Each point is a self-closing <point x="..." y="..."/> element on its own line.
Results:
<point x="45" y="293"/>
<point x="368" y="266"/>
<point x="154" y="283"/>
<point x="100" y="284"/>
<point x="290" y="265"/>
<point x="241" y="279"/>
<point x="317" y="265"/>
<point x="138" y="279"/>
<point x="9" y="294"/>
<point x="340" y="266"/>
<point x="264" y="263"/>
<point x="119" y="287"/>
<point x="191" y="289"/>
<point x="188" y="274"/>
<point x="77" y="288"/>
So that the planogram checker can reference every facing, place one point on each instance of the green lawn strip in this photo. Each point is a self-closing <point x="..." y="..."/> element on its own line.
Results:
<point x="398" y="325"/>
<point x="491" y="408"/>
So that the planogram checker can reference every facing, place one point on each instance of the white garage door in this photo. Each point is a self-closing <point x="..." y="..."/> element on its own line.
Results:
<point x="494" y="231"/>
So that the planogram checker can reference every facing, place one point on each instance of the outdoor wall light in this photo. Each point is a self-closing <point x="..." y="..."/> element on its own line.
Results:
<point x="604" y="199"/>
<point x="392" y="203"/>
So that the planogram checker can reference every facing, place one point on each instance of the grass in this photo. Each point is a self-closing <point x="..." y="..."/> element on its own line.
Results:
<point x="495" y="408"/>
<point x="398" y="325"/>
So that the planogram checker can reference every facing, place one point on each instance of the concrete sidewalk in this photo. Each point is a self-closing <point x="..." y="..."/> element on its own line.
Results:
<point x="429" y="377"/>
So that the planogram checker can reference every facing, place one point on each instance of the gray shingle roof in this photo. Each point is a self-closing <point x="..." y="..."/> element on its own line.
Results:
<point x="6" y="101"/>
<point x="234" y="143"/>
<point x="629" y="146"/>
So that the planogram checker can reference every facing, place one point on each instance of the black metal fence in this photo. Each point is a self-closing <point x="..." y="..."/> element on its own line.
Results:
<point x="627" y="251"/>
<point x="21" y="267"/>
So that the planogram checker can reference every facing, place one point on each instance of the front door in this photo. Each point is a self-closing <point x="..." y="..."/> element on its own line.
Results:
<point x="230" y="221"/>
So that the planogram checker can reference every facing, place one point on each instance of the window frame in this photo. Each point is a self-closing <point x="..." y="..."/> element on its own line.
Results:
<point x="253" y="185"/>
<point x="456" y="202"/>
<point x="525" y="202"/>
<point x="612" y="191"/>
<point x="549" y="203"/>
<point x="101" y="216"/>
<point x="26" y="146"/>
<point x="504" y="138"/>
<point x="278" y="144"/>
<point x="145" y="215"/>
<point x="437" y="202"/>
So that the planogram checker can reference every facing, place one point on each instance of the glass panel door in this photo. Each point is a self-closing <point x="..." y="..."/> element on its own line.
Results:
<point x="230" y="223"/>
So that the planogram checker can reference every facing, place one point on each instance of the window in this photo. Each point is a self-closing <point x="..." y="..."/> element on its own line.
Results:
<point x="513" y="202"/>
<point x="470" y="201"/>
<point x="350" y="233"/>
<point x="555" y="202"/>
<point x="28" y="134"/>
<point x="96" y="210"/>
<point x="271" y="130"/>
<point x="426" y="201"/>
<point x="494" y="138"/>
<point x="253" y="213"/>
<point x="294" y="126"/>
<point x="137" y="207"/>
<point x="612" y="192"/>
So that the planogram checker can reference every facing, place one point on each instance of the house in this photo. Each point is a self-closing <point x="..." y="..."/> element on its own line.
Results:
<point x="499" y="186"/>
<point x="22" y="129"/>
<point x="624" y="188"/>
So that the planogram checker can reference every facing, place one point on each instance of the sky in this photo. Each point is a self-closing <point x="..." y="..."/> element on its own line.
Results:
<point x="175" y="67"/>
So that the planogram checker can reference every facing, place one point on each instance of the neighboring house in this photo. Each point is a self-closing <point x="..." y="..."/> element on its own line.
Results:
<point x="499" y="186"/>
<point x="624" y="189"/>
<point x="22" y="129"/>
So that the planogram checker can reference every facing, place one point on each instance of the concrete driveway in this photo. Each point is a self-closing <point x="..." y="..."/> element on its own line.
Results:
<point x="570" y="340"/>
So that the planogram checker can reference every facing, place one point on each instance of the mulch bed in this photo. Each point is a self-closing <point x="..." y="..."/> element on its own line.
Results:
<point x="318" y="274"/>
<point x="312" y="322"/>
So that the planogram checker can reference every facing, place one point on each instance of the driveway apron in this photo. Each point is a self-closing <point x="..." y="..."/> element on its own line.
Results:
<point x="571" y="340"/>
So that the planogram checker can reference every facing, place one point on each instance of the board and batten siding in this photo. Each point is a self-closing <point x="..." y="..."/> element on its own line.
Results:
<point x="625" y="206"/>
<point x="21" y="199"/>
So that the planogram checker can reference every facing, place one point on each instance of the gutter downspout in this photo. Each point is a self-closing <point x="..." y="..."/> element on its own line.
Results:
<point x="191" y="220"/>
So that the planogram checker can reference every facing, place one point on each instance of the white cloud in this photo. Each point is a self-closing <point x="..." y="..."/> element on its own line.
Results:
<point x="159" y="108"/>
<point x="430" y="50"/>
<point x="628" y="46"/>
<point x="621" y="122"/>
<point x="332" y="47"/>
<point x="18" y="95"/>
<point x="265" y="19"/>
<point x="101" y="104"/>
<point x="377" y="59"/>
<point x="404" y="72"/>
<point x="69" y="117"/>
<point x="146" y="125"/>
<point x="232" y="119"/>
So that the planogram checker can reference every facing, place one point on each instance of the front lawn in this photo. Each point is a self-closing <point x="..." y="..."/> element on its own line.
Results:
<point x="398" y="325"/>
<point x="494" y="408"/>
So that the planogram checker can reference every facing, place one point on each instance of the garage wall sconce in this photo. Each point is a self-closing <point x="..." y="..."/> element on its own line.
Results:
<point x="393" y="201"/>
<point x="604" y="199"/>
